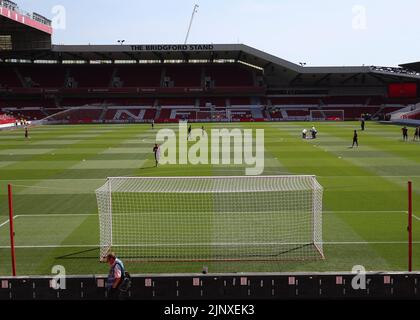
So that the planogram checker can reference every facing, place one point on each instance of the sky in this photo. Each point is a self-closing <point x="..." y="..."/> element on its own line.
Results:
<point x="317" y="32"/>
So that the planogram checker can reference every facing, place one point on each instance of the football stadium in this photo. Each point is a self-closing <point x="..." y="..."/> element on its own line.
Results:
<point x="337" y="185"/>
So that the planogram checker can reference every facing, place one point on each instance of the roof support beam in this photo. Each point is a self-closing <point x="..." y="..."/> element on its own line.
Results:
<point x="295" y="79"/>
<point x="318" y="82"/>
<point x="350" y="78"/>
<point x="159" y="56"/>
<point x="75" y="56"/>
<point x="103" y="56"/>
<point x="186" y="56"/>
<point x="377" y="78"/>
<point x="131" y="56"/>
<point x="239" y="56"/>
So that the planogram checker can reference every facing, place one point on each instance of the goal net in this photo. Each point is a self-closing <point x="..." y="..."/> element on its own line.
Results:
<point x="213" y="116"/>
<point x="327" y="115"/>
<point x="185" y="219"/>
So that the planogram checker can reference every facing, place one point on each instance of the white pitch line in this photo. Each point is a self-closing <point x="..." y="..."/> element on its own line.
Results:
<point x="52" y="246"/>
<point x="367" y="211"/>
<point x="337" y="243"/>
<point x="4" y="223"/>
<point x="163" y="213"/>
<point x="389" y="177"/>
<point x="7" y="221"/>
<point x="55" y="215"/>
<point x="215" y="167"/>
<point x="29" y="180"/>
<point x="367" y="242"/>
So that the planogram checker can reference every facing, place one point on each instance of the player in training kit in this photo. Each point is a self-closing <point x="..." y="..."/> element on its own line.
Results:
<point x="189" y="132"/>
<point x="363" y="124"/>
<point x="156" y="151"/>
<point x="416" y="134"/>
<point x="355" y="139"/>
<point x="405" y="133"/>
<point x="203" y="130"/>
<point x="26" y="132"/>
<point x="314" y="132"/>
<point x="153" y="124"/>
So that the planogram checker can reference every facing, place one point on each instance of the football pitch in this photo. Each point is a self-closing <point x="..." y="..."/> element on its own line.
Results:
<point x="56" y="172"/>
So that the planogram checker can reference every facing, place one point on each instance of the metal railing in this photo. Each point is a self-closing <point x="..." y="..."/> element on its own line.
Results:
<point x="395" y="70"/>
<point x="34" y="16"/>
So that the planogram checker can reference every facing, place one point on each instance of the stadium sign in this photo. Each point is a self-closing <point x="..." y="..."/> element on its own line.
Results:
<point x="173" y="47"/>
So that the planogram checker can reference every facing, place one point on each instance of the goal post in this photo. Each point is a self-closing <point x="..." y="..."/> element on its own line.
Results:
<point x="213" y="116"/>
<point x="181" y="219"/>
<point x="327" y="115"/>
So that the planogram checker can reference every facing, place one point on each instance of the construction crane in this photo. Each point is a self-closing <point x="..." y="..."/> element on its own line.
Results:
<point x="195" y="10"/>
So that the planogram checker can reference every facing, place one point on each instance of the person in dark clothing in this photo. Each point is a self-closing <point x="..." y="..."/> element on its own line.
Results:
<point x="156" y="151"/>
<point x="417" y="134"/>
<point x="363" y="124"/>
<point x="189" y="132"/>
<point x="355" y="139"/>
<point x="314" y="132"/>
<point x="405" y="133"/>
<point x="117" y="281"/>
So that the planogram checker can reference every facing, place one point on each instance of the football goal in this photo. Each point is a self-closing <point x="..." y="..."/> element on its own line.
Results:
<point x="183" y="219"/>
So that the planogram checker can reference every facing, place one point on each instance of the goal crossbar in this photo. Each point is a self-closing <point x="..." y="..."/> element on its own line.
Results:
<point x="211" y="218"/>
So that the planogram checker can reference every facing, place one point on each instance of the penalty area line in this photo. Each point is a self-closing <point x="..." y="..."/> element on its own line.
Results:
<point x="7" y="221"/>
<point x="329" y="243"/>
<point x="52" y="215"/>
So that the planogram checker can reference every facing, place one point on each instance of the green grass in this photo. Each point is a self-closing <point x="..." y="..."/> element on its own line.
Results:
<point x="55" y="173"/>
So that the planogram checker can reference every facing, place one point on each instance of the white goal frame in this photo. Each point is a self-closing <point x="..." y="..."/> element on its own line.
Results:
<point x="245" y="213"/>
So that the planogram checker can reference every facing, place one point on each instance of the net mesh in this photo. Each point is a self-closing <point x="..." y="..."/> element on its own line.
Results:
<point x="211" y="219"/>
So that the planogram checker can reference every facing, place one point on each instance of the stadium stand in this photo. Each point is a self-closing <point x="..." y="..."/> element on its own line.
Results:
<point x="144" y="76"/>
<point x="44" y="76"/>
<point x="184" y="75"/>
<point x="28" y="113"/>
<point x="8" y="77"/>
<point x="90" y="77"/>
<point x="6" y="119"/>
<point x="158" y="89"/>
<point x="230" y="76"/>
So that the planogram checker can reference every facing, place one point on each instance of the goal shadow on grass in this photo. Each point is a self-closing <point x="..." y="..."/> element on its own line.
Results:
<point x="274" y="257"/>
<point x="92" y="254"/>
<point x="81" y="255"/>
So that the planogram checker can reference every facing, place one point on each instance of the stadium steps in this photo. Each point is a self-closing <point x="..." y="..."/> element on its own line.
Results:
<point x="158" y="111"/>
<point x="377" y="113"/>
<point x="113" y="76"/>
<point x="103" y="114"/>
<point x="400" y="114"/>
<point x="66" y="77"/>
<point x="20" y="77"/>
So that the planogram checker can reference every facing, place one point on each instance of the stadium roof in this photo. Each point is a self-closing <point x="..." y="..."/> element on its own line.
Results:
<point x="13" y="19"/>
<point x="415" y="66"/>
<point x="196" y="52"/>
<point x="20" y="30"/>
